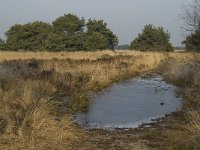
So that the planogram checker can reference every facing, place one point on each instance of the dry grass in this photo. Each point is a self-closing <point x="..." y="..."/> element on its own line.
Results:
<point x="187" y="135"/>
<point x="184" y="71"/>
<point x="35" y="91"/>
<point x="194" y="119"/>
<point x="40" y="90"/>
<point x="71" y="55"/>
<point x="27" y="119"/>
<point x="58" y="55"/>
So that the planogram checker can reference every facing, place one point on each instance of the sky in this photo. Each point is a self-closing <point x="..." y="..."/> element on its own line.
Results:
<point x="126" y="18"/>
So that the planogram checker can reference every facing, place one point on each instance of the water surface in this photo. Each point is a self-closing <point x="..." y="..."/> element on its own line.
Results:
<point x="130" y="103"/>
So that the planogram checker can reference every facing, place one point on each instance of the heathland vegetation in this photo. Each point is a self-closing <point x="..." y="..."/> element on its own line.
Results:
<point x="38" y="95"/>
<point x="40" y="91"/>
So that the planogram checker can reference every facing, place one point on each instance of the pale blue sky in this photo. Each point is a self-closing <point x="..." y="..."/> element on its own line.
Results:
<point x="125" y="17"/>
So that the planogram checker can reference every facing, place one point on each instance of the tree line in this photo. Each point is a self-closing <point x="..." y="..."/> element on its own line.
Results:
<point x="72" y="33"/>
<point x="67" y="32"/>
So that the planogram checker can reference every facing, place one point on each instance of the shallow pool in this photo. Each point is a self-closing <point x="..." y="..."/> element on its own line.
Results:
<point x="130" y="103"/>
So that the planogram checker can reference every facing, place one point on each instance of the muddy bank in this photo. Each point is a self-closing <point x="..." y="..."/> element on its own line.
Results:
<point x="151" y="137"/>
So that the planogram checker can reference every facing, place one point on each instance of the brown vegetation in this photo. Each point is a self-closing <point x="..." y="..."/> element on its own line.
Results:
<point x="39" y="91"/>
<point x="181" y="69"/>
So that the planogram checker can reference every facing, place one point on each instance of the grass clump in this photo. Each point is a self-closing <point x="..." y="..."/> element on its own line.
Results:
<point x="28" y="118"/>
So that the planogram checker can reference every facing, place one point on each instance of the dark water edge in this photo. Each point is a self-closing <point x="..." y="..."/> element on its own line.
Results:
<point x="131" y="103"/>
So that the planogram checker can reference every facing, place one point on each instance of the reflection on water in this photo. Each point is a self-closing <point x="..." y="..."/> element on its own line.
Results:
<point x="130" y="103"/>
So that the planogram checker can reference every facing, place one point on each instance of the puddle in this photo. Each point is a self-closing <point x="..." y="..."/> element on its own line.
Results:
<point x="130" y="103"/>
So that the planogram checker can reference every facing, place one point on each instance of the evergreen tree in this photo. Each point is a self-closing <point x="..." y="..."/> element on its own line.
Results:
<point x="69" y="24"/>
<point x="71" y="29"/>
<point x="67" y="32"/>
<point x="31" y="36"/>
<point x="100" y="26"/>
<point x="152" y="38"/>
<point x="2" y="44"/>
<point x="1" y="41"/>
<point x="192" y="42"/>
<point x="95" y="41"/>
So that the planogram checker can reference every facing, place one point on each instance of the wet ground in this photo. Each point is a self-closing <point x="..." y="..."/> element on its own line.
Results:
<point x="130" y="103"/>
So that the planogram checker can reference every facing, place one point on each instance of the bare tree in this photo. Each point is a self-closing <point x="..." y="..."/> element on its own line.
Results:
<point x="191" y="16"/>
